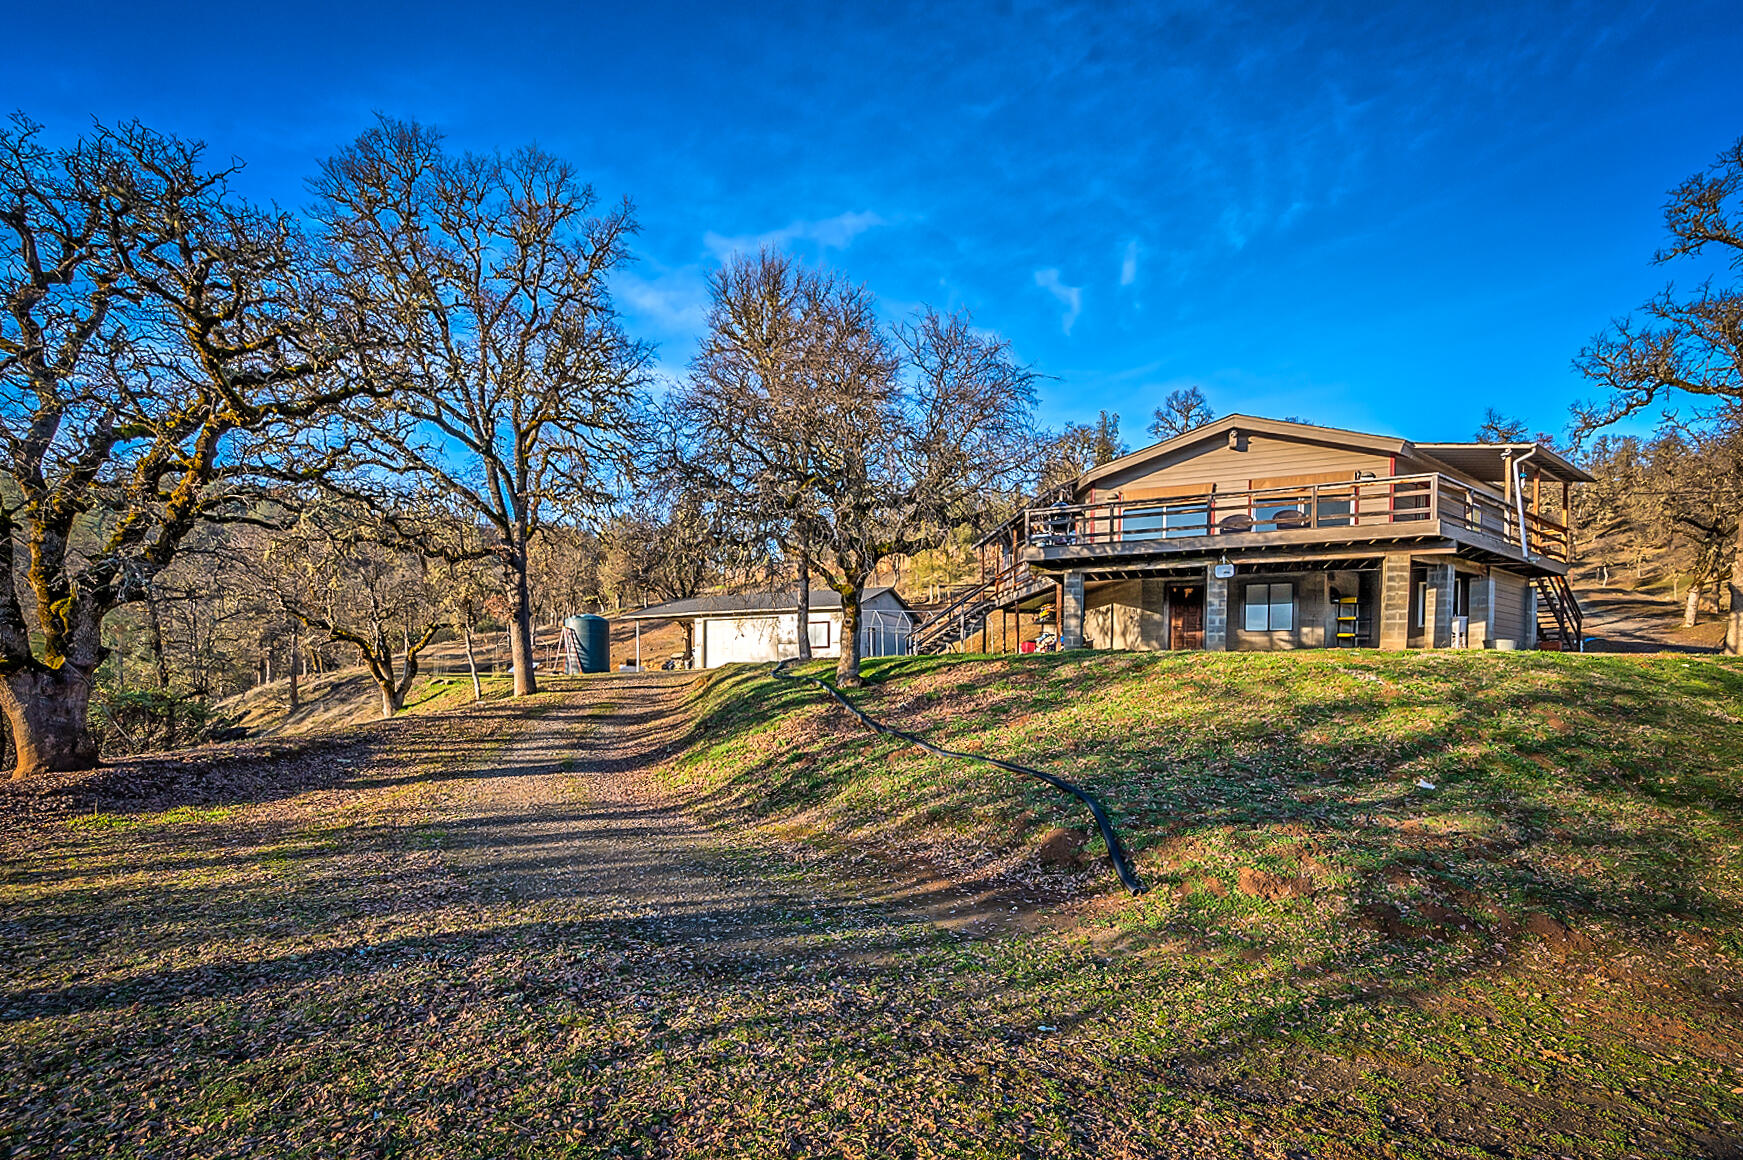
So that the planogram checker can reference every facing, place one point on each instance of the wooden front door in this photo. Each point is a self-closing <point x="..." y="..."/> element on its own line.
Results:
<point x="1186" y="616"/>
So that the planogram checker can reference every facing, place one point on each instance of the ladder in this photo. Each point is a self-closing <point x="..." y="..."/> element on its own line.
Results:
<point x="1349" y="627"/>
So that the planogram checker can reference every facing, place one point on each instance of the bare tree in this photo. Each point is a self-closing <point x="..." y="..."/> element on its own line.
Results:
<point x="343" y="573"/>
<point x="912" y="446"/>
<point x="164" y="350"/>
<point x="1689" y="343"/>
<point x="490" y="274"/>
<point x="1498" y="428"/>
<point x="750" y="410"/>
<point x="1180" y="412"/>
<point x="1078" y="448"/>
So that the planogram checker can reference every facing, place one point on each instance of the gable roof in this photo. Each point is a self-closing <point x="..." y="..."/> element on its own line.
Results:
<point x="1482" y="460"/>
<point x="750" y="603"/>
<point x="1305" y="432"/>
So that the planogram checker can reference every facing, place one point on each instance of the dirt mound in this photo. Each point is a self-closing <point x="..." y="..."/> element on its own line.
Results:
<point x="1062" y="848"/>
<point x="1558" y="935"/>
<point x="1257" y="883"/>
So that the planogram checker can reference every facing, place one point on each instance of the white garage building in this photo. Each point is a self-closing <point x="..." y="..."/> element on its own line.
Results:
<point x="764" y="626"/>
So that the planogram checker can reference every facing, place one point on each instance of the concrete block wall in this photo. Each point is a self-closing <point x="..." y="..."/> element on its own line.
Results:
<point x="1216" y="611"/>
<point x="1394" y="612"/>
<point x="1071" y="611"/>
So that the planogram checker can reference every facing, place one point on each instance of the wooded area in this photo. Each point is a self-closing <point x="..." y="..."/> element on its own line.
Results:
<point x="243" y="443"/>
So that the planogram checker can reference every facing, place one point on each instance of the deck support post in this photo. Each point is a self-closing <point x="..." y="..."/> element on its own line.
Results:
<point x="1437" y="614"/>
<point x="1071" y="611"/>
<point x="1394" y="602"/>
<point x="1216" y="611"/>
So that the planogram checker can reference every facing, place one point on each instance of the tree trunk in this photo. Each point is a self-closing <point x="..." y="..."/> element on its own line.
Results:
<point x="804" y="601"/>
<point x="295" y="661"/>
<point x="391" y="701"/>
<point x="471" y="661"/>
<point x="1734" y="625"/>
<point x="847" y="668"/>
<point x="46" y="710"/>
<point x="154" y="629"/>
<point x="1691" y="609"/>
<point x="520" y="625"/>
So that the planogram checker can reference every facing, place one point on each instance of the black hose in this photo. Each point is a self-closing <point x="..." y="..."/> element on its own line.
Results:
<point x="1116" y="852"/>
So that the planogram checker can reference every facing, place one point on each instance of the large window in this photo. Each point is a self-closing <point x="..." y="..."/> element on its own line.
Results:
<point x="1334" y="508"/>
<point x="1270" y="608"/>
<point x="1281" y="511"/>
<point x="1163" y="521"/>
<point x="820" y="634"/>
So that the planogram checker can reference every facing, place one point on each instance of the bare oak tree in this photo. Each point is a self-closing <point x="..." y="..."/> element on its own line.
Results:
<point x="895" y="437"/>
<point x="489" y="273"/>
<point x="164" y="350"/>
<point x="749" y="412"/>
<point x="344" y="574"/>
<point x="1180" y="412"/>
<point x="1689" y="343"/>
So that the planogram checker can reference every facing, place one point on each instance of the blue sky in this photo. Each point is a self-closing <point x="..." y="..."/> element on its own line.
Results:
<point x="1385" y="217"/>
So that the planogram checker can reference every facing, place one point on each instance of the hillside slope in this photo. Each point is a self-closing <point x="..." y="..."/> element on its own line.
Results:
<point x="348" y="696"/>
<point x="1513" y="873"/>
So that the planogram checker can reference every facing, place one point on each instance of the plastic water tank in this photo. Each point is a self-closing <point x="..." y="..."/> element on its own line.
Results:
<point x="592" y="642"/>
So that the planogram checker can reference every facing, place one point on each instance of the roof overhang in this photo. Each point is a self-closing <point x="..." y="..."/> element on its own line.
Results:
<point x="1488" y="461"/>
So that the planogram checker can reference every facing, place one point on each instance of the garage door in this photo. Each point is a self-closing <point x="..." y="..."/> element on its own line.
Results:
<point x="731" y="641"/>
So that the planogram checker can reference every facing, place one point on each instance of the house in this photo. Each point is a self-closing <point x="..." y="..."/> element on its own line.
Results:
<point x="1259" y="534"/>
<point x="764" y="626"/>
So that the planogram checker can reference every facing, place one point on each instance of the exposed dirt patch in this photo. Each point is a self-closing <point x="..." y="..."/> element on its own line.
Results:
<point x="1558" y="935"/>
<point x="1258" y="883"/>
<point x="1062" y="848"/>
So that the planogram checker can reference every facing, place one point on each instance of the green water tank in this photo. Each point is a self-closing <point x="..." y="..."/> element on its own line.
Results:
<point x="592" y="642"/>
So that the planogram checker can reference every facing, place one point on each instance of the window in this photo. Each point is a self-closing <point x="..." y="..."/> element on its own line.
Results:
<point x="1270" y="608"/>
<point x="820" y="634"/>
<point x="1282" y="511"/>
<point x="1334" y="509"/>
<point x="1162" y="521"/>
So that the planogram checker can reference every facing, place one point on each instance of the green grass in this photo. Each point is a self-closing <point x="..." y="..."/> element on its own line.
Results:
<point x="1601" y="788"/>
<point x="1585" y="810"/>
<point x="323" y="973"/>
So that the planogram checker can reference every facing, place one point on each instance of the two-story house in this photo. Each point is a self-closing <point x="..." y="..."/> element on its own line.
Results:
<point x="1258" y="534"/>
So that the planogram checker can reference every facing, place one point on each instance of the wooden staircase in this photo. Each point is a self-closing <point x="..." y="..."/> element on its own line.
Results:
<point x="957" y="619"/>
<point x="1560" y="623"/>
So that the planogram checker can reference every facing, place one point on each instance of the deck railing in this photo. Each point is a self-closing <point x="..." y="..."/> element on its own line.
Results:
<point x="1390" y="500"/>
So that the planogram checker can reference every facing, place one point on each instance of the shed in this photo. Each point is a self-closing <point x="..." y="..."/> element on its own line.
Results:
<point x="764" y="626"/>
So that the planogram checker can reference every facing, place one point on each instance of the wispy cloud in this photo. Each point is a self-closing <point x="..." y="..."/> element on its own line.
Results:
<point x="1071" y="297"/>
<point x="1129" y="264"/>
<point x="833" y="233"/>
<point x="673" y="302"/>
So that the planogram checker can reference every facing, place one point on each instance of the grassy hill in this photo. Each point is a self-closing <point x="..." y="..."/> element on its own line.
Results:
<point x="1559" y="912"/>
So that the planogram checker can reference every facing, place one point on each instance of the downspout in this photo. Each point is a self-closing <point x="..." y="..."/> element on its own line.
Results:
<point x="1515" y="461"/>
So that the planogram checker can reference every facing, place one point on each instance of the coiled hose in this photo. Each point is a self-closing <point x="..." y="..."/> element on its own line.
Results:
<point x="1116" y="851"/>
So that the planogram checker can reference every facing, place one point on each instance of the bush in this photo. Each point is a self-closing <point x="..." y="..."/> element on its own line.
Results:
<point x="131" y="721"/>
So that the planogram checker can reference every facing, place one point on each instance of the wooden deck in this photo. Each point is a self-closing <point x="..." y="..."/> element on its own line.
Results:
<point x="1419" y="512"/>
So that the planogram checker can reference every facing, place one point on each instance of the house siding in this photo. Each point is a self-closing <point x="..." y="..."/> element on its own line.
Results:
<point x="1266" y="457"/>
<point x="1512" y="597"/>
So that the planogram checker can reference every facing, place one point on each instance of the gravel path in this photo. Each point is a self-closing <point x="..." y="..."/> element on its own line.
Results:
<point x="570" y="813"/>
